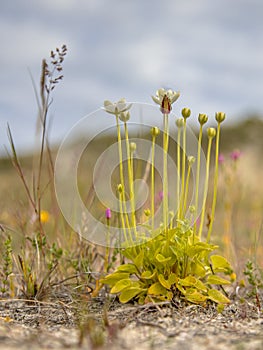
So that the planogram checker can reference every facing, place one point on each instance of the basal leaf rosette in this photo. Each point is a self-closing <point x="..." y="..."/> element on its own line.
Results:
<point x="183" y="267"/>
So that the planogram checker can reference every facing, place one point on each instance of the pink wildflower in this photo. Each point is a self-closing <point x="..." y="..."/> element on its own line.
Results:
<point x="235" y="155"/>
<point x="108" y="213"/>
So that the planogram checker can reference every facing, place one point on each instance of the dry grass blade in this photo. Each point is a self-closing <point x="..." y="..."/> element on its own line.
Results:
<point x="18" y="167"/>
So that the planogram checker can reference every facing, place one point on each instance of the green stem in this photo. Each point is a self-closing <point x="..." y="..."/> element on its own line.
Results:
<point x="215" y="185"/>
<point x="107" y="249"/>
<point x="152" y="181"/>
<point x="183" y="167"/>
<point x="198" y="176"/>
<point x="122" y="216"/>
<point x="206" y="187"/>
<point x="130" y="176"/>
<point x="186" y="189"/>
<point x="178" y="173"/>
<point x="165" y="175"/>
<point x="124" y="212"/>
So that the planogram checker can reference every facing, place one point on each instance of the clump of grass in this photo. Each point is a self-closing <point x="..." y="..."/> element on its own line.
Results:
<point x="50" y="254"/>
<point x="172" y="259"/>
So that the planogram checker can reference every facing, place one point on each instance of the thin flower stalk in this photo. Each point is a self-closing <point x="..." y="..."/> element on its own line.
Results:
<point x="198" y="175"/>
<point x="154" y="131"/>
<point x="165" y="177"/>
<point x="107" y="249"/>
<point x="202" y="118"/>
<point x="186" y="112"/>
<point x="220" y="117"/>
<point x="124" y="211"/>
<point x="130" y="176"/>
<point x="120" y="190"/>
<point x="183" y="167"/>
<point x="211" y="133"/>
<point x="179" y="124"/>
<point x="191" y="160"/>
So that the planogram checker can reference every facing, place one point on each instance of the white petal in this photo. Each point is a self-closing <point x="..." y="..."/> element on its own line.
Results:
<point x="161" y="92"/>
<point x="156" y="100"/>
<point x="107" y="103"/>
<point x="176" y="95"/>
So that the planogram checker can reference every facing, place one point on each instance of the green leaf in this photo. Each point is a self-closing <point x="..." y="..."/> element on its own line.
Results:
<point x="120" y="285"/>
<point x="200" y="247"/>
<point x="198" y="269"/>
<point x="161" y="259"/>
<point x="114" y="277"/>
<point x="172" y="278"/>
<point x="219" y="263"/>
<point x="217" y="297"/>
<point x="213" y="279"/>
<point x="195" y="297"/>
<point x="188" y="281"/>
<point x="200" y="285"/>
<point x="131" y="268"/>
<point x="191" y="281"/>
<point x="138" y="261"/>
<point x="157" y="289"/>
<point x="148" y="275"/>
<point x="165" y="283"/>
<point x="127" y="294"/>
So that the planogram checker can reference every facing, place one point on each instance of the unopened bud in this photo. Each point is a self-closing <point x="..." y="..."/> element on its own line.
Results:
<point x="155" y="131"/>
<point x="220" y="117"/>
<point x="179" y="122"/>
<point x="191" y="160"/>
<point x="211" y="132"/>
<point x="108" y="213"/>
<point x="202" y="118"/>
<point x="133" y="146"/>
<point x="192" y="209"/>
<point x="120" y="188"/>
<point x="147" y="212"/>
<point x="186" y="112"/>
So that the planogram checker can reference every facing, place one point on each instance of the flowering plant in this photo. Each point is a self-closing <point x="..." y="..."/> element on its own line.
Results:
<point x="174" y="262"/>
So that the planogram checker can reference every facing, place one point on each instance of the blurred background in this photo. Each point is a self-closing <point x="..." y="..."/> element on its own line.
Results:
<point x="211" y="51"/>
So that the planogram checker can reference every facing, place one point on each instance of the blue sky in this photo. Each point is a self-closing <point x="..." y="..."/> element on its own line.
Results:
<point x="211" y="51"/>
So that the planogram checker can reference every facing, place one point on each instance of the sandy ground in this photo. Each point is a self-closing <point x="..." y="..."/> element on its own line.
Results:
<point x="83" y="325"/>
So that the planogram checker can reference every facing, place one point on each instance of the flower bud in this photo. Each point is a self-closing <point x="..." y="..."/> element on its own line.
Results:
<point x="211" y="132"/>
<point x="186" y="112"/>
<point x="120" y="188"/>
<point x="192" y="209"/>
<point x="191" y="160"/>
<point x="147" y="212"/>
<point x="220" y="117"/>
<point x="155" y="131"/>
<point x="108" y="213"/>
<point x="133" y="146"/>
<point x="179" y="122"/>
<point x="235" y="155"/>
<point x="202" y="118"/>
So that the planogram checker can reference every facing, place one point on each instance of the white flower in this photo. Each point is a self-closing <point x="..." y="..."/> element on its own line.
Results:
<point x="165" y="98"/>
<point x="124" y="116"/>
<point x="118" y="107"/>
